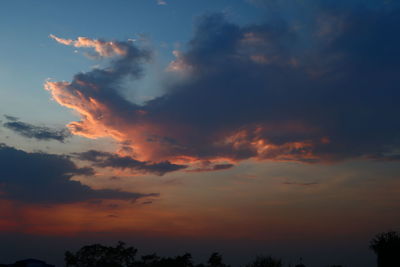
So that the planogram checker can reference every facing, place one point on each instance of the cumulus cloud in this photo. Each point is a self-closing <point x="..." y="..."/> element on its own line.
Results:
<point x="37" y="132"/>
<point x="95" y="94"/>
<point x="46" y="178"/>
<point x="267" y="92"/>
<point x="105" y="159"/>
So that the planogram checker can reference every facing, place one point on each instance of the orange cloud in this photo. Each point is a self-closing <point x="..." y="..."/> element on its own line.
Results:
<point x="104" y="49"/>
<point x="90" y="110"/>
<point x="236" y="104"/>
<point x="141" y="129"/>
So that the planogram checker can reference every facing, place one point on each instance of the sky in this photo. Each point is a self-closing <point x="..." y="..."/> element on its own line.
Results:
<point x="248" y="127"/>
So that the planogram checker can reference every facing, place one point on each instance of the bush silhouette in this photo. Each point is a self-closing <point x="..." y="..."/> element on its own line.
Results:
<point x="387" y="248"/>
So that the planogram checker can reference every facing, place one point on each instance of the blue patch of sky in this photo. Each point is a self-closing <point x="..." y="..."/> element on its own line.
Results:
<point x="28" y="57"/>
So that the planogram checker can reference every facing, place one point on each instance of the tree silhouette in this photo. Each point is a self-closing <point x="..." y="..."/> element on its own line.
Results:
<point x="149" y="260"/>
<point x="102" y="256"/>
<point x="121" y="256"/>
<point x="265" y="262"/>
<point x="215" y="260"/>
<point x="179" y="261"/>
<point x="387" y="248"/>
<point x="300" y="264"/>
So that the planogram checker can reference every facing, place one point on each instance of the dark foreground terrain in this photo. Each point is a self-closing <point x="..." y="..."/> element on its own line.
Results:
<point x="385" y="245"/>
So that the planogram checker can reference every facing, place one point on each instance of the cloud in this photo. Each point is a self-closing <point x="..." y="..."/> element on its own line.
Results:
<point x="300" y="184"/>
<point x="161" y="2"/>
<point x="318" y="92"/>
<point x="103" y="48"/>
<point x="207" y="166"/>
<point x="95" y="94"/>
<point x="37" y="132"/>
<point x="105" y="159"/>
<point x="11" y="118"/>
<point x="46" y="178"/>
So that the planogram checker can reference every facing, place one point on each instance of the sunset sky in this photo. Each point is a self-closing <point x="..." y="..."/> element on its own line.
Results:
<point x="248" y="127"/>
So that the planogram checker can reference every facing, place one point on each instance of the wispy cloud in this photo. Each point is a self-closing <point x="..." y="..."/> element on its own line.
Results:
<point x="103" y="48"/>
<point x="105" y="159"/>
<point x="300" y="184"/>
<point x="161" y="2"/>
<point x="37" y="132"/>
<point x="207" y="166"/>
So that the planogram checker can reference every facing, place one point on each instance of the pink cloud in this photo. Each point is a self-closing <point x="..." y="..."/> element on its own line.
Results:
<point x="103" y="48"/>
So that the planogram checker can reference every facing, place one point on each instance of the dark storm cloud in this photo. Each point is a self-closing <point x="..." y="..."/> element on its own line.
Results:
<point x="46" y="178"/>
<point x="325" y="89"/>
<point x="105" y="159"/>
<point x="37" y="132"/>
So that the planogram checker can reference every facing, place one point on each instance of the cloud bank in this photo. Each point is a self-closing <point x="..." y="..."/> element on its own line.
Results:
<point x="322" y="91"/>
<point x="46" y="178"/>
<point x="37" y="132"/>
<point x="105" y="159"/>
